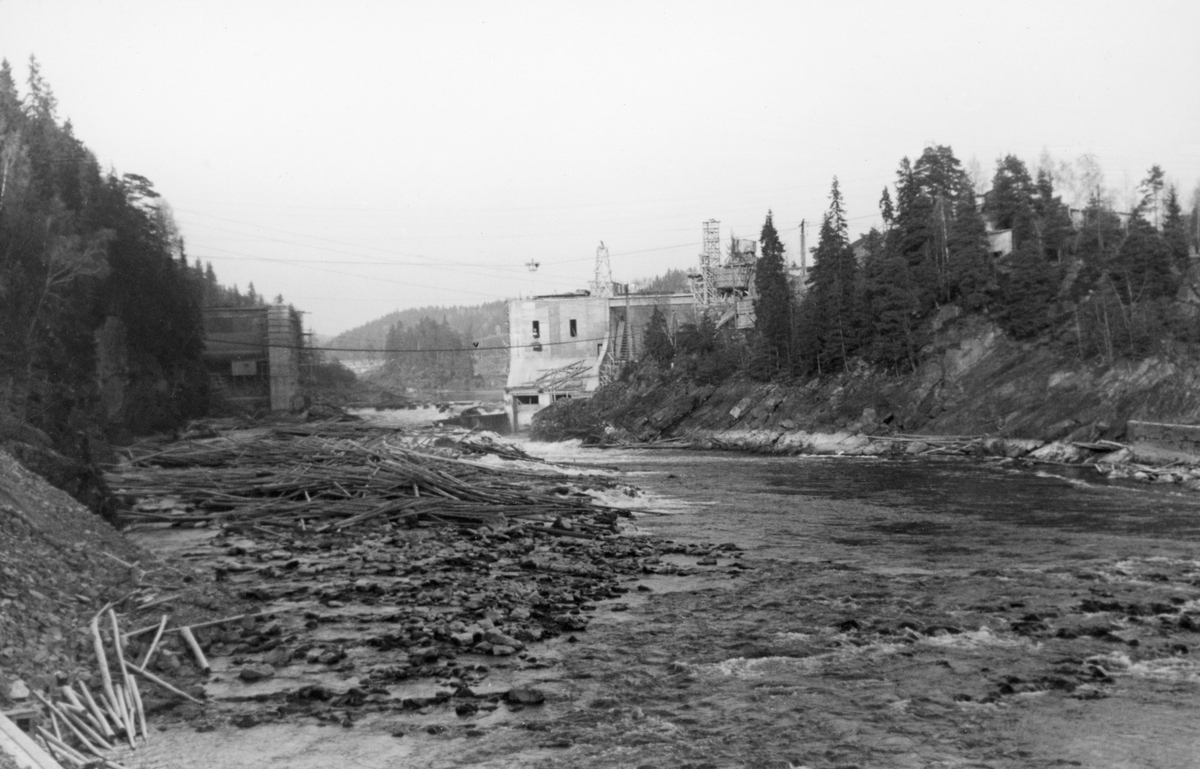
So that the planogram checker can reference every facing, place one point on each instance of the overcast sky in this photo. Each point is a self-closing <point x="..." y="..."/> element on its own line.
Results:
<point x="363" y="157"/>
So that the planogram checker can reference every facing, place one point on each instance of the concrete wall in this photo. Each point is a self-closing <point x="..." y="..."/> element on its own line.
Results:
<point x="283" y="359"/>
<point x="553" y="348"/>
<point x="1181" y="438"/>
<point x="253" y="355"/>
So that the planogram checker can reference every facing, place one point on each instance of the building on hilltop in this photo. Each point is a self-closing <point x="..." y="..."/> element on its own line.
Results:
<point x="253" y="356"/>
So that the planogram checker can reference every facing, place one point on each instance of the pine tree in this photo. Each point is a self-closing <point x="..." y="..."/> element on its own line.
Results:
<point x="927" y="193"/>
<point x="1152" y="188"/>
<point x="1010" y="203"/>
<point x="773" y="303"/>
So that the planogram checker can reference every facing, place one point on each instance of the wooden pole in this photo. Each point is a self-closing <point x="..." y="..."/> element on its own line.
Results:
<point x="197" y="652"/>
<point x="154" y="644"/>
<point x="116" y="631"/>
<point x="102" y="658"/>
<point x="156" y="680"/>
<point x="87" y="695"/>
<point x="141" y="711"/>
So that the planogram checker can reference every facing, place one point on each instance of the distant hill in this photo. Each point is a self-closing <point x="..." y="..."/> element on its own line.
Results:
<point x="485" y="323"/>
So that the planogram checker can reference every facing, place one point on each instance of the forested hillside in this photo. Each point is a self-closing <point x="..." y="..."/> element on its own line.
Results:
<point x="1100" y="280"/>
<point x="474" y="323"/>
<point x="433" y="347"/>
<point x="92" y="275"/>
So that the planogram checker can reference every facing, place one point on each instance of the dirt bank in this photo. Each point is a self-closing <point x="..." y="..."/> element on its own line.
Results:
<point x="59" y="565"/>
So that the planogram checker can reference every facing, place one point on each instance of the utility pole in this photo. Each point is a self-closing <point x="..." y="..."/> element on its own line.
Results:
<point x="803" y="252"/>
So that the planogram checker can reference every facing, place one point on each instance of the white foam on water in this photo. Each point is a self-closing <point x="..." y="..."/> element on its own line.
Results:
<point x="793" y="636"/>
<point x="764" y="667"/>
<point x="974" y="639"/>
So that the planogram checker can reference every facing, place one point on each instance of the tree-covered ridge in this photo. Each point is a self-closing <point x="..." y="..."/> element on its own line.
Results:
<point x="484" y="323"/>
<point x="429" y="355"/>
<point x="1101" y="282"/>
<point x="87" y="256"/>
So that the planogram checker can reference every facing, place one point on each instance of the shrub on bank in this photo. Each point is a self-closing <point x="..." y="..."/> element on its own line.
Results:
<point x="569" y="420"/>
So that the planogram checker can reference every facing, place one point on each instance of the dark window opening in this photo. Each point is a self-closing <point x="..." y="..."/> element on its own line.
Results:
<point x="561" y="396"/>
<point x="574" y="329"/>
<point x="527" y="400"/>
<point x="537" y="330"/>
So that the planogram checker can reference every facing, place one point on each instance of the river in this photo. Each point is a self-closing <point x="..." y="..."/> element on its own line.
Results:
<point x="917" y="613"/>
<point x="852" y="612"/>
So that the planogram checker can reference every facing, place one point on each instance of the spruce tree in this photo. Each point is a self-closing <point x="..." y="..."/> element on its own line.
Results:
<point x="1029" y="291"/>
<point x="894" y="308"/>
<point x="971" y="278"/>
<point x="773" y="303"/>
<point x="656" y="343"/>
<point x="832" y="288"/>
<point x="1143" y="266"/>
<point x="1174" y="231"/>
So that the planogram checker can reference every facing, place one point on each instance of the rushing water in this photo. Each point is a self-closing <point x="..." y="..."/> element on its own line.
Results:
<point x="757" y="501"/>
<point x="885" y="612"/>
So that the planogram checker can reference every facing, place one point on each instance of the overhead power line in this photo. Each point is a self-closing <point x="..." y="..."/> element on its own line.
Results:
<point x="427" y="349"/>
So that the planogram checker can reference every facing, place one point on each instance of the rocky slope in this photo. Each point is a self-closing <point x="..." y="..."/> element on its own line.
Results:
<point x="974" y="382"/>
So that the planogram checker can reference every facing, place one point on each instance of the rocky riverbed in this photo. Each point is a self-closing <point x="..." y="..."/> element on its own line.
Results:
<point x="860" y="612"/>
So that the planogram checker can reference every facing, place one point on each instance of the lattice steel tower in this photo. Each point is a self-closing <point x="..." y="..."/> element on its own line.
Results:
<point x="710" y="260"/>
<point x="602" y="285"/>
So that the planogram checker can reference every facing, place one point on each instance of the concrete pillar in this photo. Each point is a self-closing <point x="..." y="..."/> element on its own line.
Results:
<point x="283" y="359"/>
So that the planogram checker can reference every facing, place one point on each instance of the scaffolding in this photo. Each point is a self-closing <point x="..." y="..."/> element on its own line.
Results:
<point x="704" y="282"/>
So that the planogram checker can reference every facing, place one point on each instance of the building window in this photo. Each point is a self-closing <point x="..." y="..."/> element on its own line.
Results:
<point x="537" y="330"/>
<point x="574" y="328"/>
<point x="527" y="400"/>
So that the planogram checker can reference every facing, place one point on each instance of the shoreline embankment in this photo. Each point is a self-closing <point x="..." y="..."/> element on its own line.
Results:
<point x="978" y="393"/>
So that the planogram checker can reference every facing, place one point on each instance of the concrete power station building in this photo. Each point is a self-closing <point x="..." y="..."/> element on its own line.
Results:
<point x="568" y="345"/>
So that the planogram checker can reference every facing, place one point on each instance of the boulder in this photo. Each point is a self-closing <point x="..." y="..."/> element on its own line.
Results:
<point x="252" y="673"/>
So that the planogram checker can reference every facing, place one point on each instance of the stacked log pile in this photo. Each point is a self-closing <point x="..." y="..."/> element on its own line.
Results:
<point x="330" y="477"/>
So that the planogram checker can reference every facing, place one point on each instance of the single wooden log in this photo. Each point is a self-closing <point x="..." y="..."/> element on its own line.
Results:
<point x="130" y="729"/>
<point x="154" y="644"/>
<point x="197" y="652"/>
<point x="62" y="748"/>
<point x="123" y="711"/>
<point x="141" y="711"/>
<point x="163" y="684"/>
<point x="101" y="657"/>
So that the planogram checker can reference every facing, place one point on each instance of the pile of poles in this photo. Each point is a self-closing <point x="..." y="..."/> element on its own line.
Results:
<point x="84" y="723"/>
<point x="330" y="477"/>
